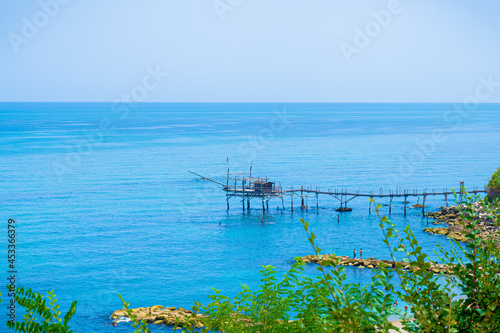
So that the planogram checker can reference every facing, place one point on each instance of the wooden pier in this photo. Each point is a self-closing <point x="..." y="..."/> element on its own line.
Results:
<point x="248" y="188"/>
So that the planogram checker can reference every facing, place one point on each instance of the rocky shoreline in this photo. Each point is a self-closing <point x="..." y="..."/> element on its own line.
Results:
<point x="160" y="315"/>
<point x="372" y="263"/>
<point x="172" y="316"/>
<point x="456" y="230"/>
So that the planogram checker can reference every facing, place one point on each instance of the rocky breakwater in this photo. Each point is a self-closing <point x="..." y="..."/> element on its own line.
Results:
<point x="159" y="315"/>
<point x="372" y="263"/>
<point x="451" y="216"/>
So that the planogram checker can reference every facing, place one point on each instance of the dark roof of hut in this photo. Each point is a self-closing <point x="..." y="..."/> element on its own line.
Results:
<point x="262" y="182"/>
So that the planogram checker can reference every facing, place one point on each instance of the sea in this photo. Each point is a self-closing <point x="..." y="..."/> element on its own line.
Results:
<point x="103" y="203"/>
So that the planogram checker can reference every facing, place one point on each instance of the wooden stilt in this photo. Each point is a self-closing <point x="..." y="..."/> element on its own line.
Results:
<point x="370" y="208"/>
<point x="265" y="190"/>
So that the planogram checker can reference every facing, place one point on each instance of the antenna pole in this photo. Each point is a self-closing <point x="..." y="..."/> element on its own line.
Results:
<point x="227" y="181"/>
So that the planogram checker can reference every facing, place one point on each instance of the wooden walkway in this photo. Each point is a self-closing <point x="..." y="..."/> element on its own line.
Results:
<point x="344" y="196"/>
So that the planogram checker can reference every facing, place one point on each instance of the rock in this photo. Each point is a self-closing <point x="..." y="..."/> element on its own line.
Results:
<point x="418" y="206"/>
<point x="119" y="313"/>
<point x="138" y="309"/>
<point x="156" y="307"/>
<point x="373" y="263"/>
<point x="159" y="315"/>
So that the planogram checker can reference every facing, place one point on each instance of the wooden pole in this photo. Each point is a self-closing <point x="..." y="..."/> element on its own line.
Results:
<point x="370" y="208"/>
<point x="446" y="198"/>
<point x="390" y="206"/>
<point x="248" y="204"/>
<point x="406" y="202"/>
<point x="291" y="204"/>
<point x="423" y="204"/>
<point x="302" y="196"/>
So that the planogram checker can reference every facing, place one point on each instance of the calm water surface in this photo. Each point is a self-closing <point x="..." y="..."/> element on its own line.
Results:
<point x="104" y="204"/>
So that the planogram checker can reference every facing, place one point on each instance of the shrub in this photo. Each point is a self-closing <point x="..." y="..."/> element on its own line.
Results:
<point x="476" y="276"/>
<point x="300" y="304"/>
<point x="466" y="301"/>
<point x="495" y="180"/>
<point x="40" y="316"/>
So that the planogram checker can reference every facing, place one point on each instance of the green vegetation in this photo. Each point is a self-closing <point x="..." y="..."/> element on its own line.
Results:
<point x="475" y="306"/>
<point x="140" y="326"/>
<point x="40" y="316"/>
<point x="494" y="186"/>
<point x="494" y="182"/>
<point x="466" y="301"/>
<point x="325" y="304"/>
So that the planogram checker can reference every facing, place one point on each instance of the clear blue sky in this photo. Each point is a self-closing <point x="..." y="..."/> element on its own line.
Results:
<point x="261" y="51"/>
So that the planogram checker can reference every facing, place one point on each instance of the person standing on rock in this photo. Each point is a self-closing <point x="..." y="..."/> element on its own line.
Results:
<point x="354" y="253"/>
<point x="360" y="253"/>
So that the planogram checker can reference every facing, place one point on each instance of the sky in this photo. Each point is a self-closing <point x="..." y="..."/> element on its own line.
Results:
<point x="249" y="51"/>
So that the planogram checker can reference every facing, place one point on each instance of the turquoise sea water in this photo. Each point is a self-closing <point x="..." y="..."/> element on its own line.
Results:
<point x="104" y="204"/>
